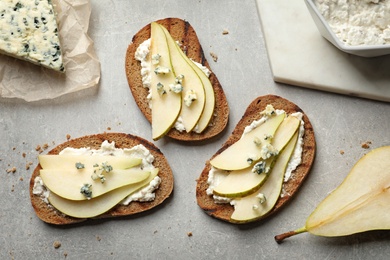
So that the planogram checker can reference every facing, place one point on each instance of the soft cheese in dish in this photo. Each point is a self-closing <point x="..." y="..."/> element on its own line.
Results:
<point x="146" y="193"/>
<point x="358" y="22"/>
<point x="29" y="31"/>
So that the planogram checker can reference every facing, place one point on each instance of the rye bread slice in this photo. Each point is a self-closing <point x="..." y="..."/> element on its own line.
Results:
<point x="184" y="33"/>
<point x="48" y="214"/>
<point x="224" y="211"/>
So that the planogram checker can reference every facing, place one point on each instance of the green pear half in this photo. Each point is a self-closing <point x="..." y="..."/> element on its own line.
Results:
<point x="69" y="161"/>
<point x="67" y="183"/>
<point x="181" y="65"/>
<point x="243" y="182"/>
<point x="99" y="205"/>
<point x="359" y="204"/>
<point x="235" y="157"/>
<point x="250" y="208"/>
<point x="165" y="107"/>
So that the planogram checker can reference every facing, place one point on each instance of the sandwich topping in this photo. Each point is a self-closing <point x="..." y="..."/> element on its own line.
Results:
<point x="189" y="96"/>
<point x="107" y="176"/>
<point x="249" y="174"/>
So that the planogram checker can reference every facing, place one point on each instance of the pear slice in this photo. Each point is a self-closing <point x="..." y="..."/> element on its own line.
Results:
<point x="181" y="65"/>
<point x="69" y="161"/>
<point x="67" y="183"/>
<point x="99" y="205"/>
<point x="236" y="156"/>
<point x="209" y="105"/>
<point x="243" y="182"/>
<point x="240" y="183"/>
<point x="359" y="204"/>
<point x="252" y="207"/>
<point x="166" y="105"/>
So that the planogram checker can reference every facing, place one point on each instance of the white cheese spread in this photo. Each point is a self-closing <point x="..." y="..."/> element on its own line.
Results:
<point x="215" y="175"/>
<point x="141" y="55"/>
<point x="358" y="22"/>
<point x="28" y="31"/>
<point x="138" y="151"/>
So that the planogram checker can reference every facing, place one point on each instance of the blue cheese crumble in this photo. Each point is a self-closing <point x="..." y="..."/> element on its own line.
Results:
<point x="28" y="31"/>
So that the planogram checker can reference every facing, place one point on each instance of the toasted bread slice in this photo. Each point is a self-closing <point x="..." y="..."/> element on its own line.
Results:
<point x="48" y="214"/>
<point x="224" y="211"/>
<point x="182" y="32"/>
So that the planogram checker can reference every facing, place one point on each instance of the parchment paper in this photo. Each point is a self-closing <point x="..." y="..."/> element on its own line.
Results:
<point x="21" y="79"/>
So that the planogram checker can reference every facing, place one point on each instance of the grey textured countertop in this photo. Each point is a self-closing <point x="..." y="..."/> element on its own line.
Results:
<point x="341" y="124"/>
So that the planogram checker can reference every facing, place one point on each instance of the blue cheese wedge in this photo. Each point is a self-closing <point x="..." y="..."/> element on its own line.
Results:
<point x="28" y="31"/>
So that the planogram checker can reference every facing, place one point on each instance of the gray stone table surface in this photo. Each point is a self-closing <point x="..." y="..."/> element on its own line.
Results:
<point x="341" y="123"/>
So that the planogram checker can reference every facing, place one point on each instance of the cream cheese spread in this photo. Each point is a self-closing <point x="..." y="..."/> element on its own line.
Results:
<point x="358" y="22"/>
<point x="141" y="55"/>
<point x="107" y="148"/>
<point x="215" y="175"/>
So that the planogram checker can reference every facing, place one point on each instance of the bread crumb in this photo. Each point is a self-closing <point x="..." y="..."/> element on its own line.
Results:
<point x="108" y="128"/>
<point x="21" y="178"/>
<point x="24" y="155"/>
<point x="67" y="136"/>
<point x="11" y="170"/>
<point x="224" y="32"/>
<point x="65" y="254"/>
<point x="214" y="56"/>
<point x="57" y="244"/>
<point x="366" y="145"/>
<point x="98" y="238"/>
<point x="13" y="188"/>
<point x="189" y="234"/>
<point x="45" y="146"/>
<point x="28" y="165"/>
<point x="341" y="152"/>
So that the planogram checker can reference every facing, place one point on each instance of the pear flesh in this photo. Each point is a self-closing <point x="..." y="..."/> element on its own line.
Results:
<point x="261" y="202"/>
<point x="236" y="156"/>
<point x="68" y="183"/>
<point x="359" y="204"/>
<point x="166" y="105"/>
<point x="191" y="81"/>
<point x="243" y="182"/>
<point x="99" y="205"/>
<point x="69" y="161"/>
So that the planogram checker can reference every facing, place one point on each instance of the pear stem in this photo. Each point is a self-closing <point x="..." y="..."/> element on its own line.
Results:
<point x="279" y="238"/>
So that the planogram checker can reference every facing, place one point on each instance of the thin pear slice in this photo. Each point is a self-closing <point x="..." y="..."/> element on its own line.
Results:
<point x="165" y="107"/>
<point x="235" y="157"/>
<point x="209" y="105"/>
<point x="240" y="183"/>
<point x="67" y="183"/>
<point x="252" y="207"/>
<point x="191" y="81"/>
<point x="99" y="205"/>
<point x="69" y="161"/>
<point x="359" y="204"/>
<point x="244" y="182"/>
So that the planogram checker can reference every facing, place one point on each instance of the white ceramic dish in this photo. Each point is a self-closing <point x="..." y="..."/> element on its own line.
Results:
<point x="327" y="33"/>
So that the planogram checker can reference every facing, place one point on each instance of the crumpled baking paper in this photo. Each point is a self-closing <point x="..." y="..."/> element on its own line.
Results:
<point x="23" y="80"/>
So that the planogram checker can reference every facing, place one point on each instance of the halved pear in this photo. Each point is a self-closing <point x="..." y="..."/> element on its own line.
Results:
<point x="252" y="207"/>
<point x="181" y="65"/>
<point x="99" y="205"/>
<point x="359" y="204"/>
<point x="69" y="161"/>
<point x="235" y="157"/>
<point x="67" y="183"/>
<point x="243" y="182"/>
<point x="165" y="107"/>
